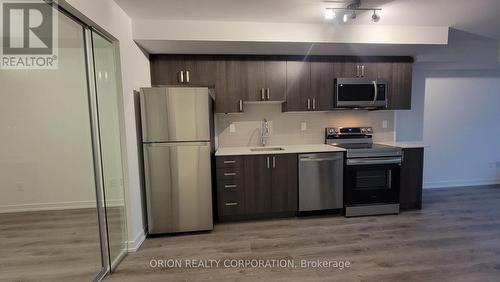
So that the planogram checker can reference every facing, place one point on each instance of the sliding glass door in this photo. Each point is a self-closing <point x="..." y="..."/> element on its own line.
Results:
<point x="49" y="227"/>
<point x="62" y="170"/>
<point x="110" y="115"/>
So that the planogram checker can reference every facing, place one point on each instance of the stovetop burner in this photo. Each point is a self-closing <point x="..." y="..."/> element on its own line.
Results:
<point x="354" y="146"/>
<point x="358" y="142"/>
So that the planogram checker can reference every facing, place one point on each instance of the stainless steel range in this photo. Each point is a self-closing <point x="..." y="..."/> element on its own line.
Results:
<point x="371" y="171"/>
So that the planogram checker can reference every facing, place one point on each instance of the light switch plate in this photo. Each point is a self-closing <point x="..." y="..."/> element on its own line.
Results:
<point x="232" y="128"/>
<point x="303" y="126"/>
<point x="384" y="123"/>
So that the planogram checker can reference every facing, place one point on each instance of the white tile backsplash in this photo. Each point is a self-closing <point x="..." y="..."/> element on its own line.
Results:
<point x="285" y="128"/>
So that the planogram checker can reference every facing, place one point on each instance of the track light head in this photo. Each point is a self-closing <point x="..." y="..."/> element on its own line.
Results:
<point x="375" y="17"/>
<point x="329" y="14"/>
<point x="345" y="18"/>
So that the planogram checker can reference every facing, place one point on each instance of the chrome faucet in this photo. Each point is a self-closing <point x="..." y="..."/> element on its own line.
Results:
<point x="264" y="132"/>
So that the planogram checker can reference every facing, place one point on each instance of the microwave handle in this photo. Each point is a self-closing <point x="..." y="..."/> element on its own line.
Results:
<point x="376" y="92"/>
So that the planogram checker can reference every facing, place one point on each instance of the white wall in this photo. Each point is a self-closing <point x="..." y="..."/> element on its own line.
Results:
<point x="46" y="152"/>
<point x="135" y="74"/>
<point x="461" y="125"/>
<point x="285" y="128"/>
<point x="455" y="111"/>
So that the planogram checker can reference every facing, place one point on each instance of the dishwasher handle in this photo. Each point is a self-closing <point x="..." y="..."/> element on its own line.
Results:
<point x="312" y="159"/>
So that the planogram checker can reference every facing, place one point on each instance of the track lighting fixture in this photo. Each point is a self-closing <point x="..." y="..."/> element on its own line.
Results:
<point x="350" y="12"/>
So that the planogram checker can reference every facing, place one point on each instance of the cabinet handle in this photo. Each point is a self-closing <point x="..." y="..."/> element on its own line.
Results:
<point x="314" y="103"/>
<point x="232" y="204"/>
<point x="267" y="93"/>
<point x="262" y="97"/>
<point x="230" y="174"/>
<point x="274" y="162"/>
<point x="363" y="70"/>
<point x="241" y="105"/>
<point x="230" y="186"/>
<point x="308" y="103"/>
<point x="268" y="166"/>
<point x="180" y="76"/>
<point x="229" y="162"/>
<point x="187" y="76"/>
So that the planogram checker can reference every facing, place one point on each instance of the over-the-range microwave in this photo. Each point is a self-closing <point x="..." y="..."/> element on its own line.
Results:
<point x="360" y="93"/>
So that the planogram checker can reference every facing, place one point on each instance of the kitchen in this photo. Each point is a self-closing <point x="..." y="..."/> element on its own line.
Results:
<point x="273" y="140"/>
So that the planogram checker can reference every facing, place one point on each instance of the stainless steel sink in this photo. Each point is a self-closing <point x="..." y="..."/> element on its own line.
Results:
<point x="265" y="149"/>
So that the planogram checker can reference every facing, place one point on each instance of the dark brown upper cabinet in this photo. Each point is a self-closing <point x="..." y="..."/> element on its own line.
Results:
<point x="166" y="69"/>
<point x="323" y="74"/>
<point x="399" y="82"/>
<point x="400" y="88"/>
<point x="298" y="87"/>
<point x="266" y="79"/>
<point x="235" y="81"/>
<point x="304" y="84"/>
<point x="358" y="69"/>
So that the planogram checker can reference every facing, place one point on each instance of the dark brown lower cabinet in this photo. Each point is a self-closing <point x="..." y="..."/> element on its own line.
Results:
<point x="257" y="184"/>
<point x="284" y="181"/>
<point x="269" y="188"/>
<point x="411" y="179"/>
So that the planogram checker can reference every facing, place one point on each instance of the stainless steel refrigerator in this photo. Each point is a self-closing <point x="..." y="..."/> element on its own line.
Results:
<point x="177" y="126"/>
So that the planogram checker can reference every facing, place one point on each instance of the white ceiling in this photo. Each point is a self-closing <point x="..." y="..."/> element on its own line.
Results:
<point x="481" y="17"/>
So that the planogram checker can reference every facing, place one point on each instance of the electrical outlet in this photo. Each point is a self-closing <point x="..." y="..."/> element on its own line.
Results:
<point x="232" y="128"/>
<point x="303" y="126"/>
<point x="384" y="123"/>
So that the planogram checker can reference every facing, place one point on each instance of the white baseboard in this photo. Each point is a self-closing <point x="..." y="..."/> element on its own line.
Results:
<point x="459" y="183"/>
<point x="56" y="206"/>
<point x="134" y="245"/>
<point x="47" y="206"/>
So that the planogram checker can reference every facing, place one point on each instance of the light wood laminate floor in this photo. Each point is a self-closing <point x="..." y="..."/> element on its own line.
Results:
<point x="49" y="246"/>
<point x="456" y="237"/>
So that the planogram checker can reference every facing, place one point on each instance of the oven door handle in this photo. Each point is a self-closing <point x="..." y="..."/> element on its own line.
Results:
<point x="374" y="161"/>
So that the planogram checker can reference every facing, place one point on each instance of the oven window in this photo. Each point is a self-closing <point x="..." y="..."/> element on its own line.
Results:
<point x="373" y="179"/>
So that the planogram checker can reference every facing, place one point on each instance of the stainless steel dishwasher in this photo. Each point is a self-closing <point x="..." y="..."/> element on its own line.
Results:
<point x="321" y="181"/>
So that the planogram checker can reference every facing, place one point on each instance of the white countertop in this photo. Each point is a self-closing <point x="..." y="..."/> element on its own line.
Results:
<point x="405" y="145"/>
<point x="288" y="149"/>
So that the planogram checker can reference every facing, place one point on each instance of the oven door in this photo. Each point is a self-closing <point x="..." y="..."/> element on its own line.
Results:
<point x="360" y="93"/>
<point x="372" y="181"/>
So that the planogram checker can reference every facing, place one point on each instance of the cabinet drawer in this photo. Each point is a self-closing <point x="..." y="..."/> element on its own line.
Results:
<point x="228" y="161"/>
<point x="231" y="204"/>
<point x="235" y="185"/>
<point x="229" y="174"/>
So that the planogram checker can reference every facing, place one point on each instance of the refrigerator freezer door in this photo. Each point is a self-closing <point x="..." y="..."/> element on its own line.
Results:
<point x="178" y="187"/>
<point x="171" y="114"/>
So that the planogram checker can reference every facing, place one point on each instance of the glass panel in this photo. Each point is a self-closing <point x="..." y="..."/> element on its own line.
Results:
<point x="48" y="217"/>
<point x="372" y="179"/>
<point x="109" y="126"/>
<point x="356" y="92"/>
